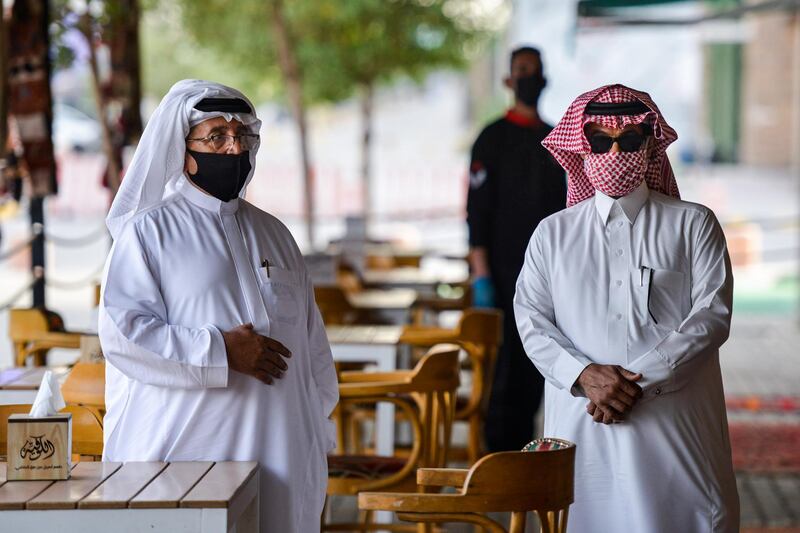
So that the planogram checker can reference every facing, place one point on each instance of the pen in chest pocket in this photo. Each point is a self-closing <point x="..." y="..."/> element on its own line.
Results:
<point x="265" y="264"/>
<point x="649" y="270"/>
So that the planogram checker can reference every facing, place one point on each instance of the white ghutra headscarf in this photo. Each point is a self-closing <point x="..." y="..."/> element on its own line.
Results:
<point x="156" y="169"/>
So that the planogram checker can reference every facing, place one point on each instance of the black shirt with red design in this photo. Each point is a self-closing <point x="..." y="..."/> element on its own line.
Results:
<point x="514" y="184"/>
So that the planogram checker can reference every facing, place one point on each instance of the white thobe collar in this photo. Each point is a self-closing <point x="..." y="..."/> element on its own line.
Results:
<point x="206" y="201"/>
<point x="630" y="204"/>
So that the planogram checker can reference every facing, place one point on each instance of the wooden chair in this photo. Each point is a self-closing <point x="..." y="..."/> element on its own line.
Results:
<point x="336" y="310"/>
<point x="389" y="261"/>
<point x="85" y="385"/>
<point x="348" y="277"/>
<point x="479" y="333"/>
<point x="426" y="397"/>
<point x="35" y="331"/>
<point x="540" y="480"/>
<point x="431" y="305"/>
<point x="335" y="307"/>
<point x="87" y="429"/>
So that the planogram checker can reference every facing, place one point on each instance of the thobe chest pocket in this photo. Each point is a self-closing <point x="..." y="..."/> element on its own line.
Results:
<point x="280" y="288"/>
<point x="661" y="296"/>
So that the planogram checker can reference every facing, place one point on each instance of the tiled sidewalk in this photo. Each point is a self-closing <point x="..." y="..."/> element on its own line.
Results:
<point x="761" y="370"/>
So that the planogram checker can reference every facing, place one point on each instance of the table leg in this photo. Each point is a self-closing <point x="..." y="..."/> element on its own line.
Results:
<point x="243" y="512"/>
<point x="385" y="357"/>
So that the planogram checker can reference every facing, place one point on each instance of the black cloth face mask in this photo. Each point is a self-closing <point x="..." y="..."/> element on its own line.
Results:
<point x="221" y="175"/>
<point x="529" y="88"/>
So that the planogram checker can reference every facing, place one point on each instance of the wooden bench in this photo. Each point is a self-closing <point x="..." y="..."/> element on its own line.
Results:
<point x="136" y="496"/>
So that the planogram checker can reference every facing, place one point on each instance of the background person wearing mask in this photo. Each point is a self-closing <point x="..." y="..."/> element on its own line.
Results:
<point x="514" y="184"/>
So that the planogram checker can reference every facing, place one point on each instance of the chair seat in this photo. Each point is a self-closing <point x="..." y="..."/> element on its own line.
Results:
<point x="363" y="466"/>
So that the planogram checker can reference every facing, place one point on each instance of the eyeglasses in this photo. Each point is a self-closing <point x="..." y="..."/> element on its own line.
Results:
<point x="630" y="141"/>
<point x="246" y="141"/>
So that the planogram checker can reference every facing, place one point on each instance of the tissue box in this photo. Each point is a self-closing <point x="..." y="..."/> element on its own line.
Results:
<point x="39" y="447"/>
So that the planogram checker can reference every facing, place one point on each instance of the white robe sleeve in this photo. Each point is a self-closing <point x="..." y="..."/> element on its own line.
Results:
<point x="135" y="334"/>
<point x="322" y="366"/>
<point x="669" y="365"/>
<point x="549" y="349"/>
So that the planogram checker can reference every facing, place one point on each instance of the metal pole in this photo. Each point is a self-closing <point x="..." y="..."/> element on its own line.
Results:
<point x="37" y="250"/>
<point x="37" y="201"/>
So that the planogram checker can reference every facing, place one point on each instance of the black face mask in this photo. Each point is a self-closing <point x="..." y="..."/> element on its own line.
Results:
<point x="221" y="175"/>
<point x="529" y="88"/>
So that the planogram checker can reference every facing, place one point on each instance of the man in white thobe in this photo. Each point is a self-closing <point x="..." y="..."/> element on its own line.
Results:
<point x="623" y="303"/>
<point x="215" y="348"/>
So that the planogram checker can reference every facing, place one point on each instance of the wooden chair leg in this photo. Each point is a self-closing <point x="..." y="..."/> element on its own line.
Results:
<point x="561" y="521"/>
<point x="40" y="357"/>
<point x="19" y="354"/>
<point x="517" y="522"/>
<point x="548" y="521"/>
<point x="338" y="418"/>
<point x="367" y="521"/>
<point x="474" y="439"/>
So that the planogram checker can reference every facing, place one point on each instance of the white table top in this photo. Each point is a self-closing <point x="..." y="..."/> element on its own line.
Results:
<point x="105" y="485"/>
<point x="389" y="300"/>
<point x="368" y="335"/>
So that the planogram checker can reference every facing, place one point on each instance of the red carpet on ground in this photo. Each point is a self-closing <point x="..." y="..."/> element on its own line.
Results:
<point x="762" y="447"/>
<point x="768" y="404"/>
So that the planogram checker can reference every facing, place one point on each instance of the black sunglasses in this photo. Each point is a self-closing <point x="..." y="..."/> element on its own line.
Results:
<point x="629" y="141"/>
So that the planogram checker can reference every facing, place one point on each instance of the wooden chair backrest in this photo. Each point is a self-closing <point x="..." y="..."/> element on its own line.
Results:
<point x="87" y="428"/>
<point x="479" y="333"/>
<point x="425" y="396"/>
<point x="437" y="370"/>
<point x="27" y="324"/>
<point x="435" y="380"/>
<point x="525" y="481"/>
<point x="379" y="262"/>
<point x="334" y="306"/>
<point x="408" y="260"/>
<point x="387" y="262"/>
<point x="481" y="326"/>
<point x="86" y="385"/>
<point x="348" y="278"/>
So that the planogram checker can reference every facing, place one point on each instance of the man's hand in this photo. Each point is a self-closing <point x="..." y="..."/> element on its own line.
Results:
<point x="612" y="391"/>
<point x="482" y="292"/>
<point x="254" y="354"/>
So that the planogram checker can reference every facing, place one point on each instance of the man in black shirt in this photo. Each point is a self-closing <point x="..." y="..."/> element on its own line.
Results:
<point x="514" y="184"/>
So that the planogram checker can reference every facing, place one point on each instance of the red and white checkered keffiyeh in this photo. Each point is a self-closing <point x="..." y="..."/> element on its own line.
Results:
<point x="569" y="145"/>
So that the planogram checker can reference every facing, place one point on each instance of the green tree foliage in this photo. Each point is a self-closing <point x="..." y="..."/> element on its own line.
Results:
<point x="329" y="50"/>
<point x="340" y="45"/>
<point x="361" y="43"/>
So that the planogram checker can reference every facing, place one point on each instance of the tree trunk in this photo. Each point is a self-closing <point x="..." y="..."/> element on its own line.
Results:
<point x="293" y="78"/>
<point x="367" y="100"/>
<point x="112" y="169"/>
<point x="134" y="123"/>
<point x="124" y="85"/>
